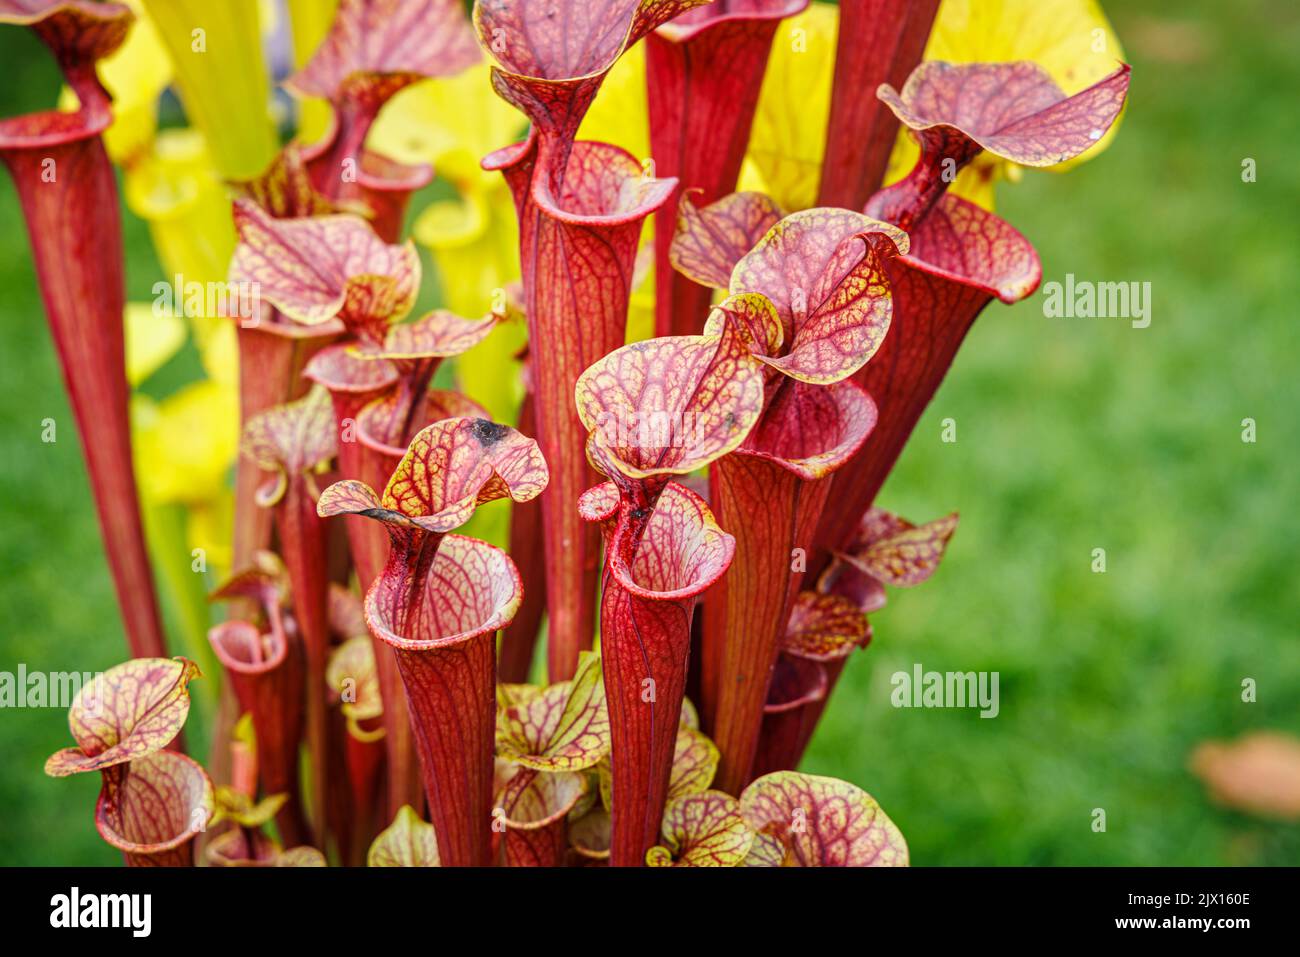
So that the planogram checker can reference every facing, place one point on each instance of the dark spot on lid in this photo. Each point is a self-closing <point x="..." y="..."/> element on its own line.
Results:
<point x="489" y="433"/>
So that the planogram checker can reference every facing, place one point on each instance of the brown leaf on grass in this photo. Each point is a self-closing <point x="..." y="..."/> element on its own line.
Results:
<point x="1258" y="773"/>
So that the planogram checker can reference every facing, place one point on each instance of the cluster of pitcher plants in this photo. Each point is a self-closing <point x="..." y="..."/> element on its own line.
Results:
<point x="693" y="544"/>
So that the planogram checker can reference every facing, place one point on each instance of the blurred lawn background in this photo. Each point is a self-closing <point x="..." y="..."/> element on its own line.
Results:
<point x="1072" y="435"/>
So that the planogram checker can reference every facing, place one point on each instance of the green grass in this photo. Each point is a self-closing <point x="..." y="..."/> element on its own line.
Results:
<point x="1073" y="435"/>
